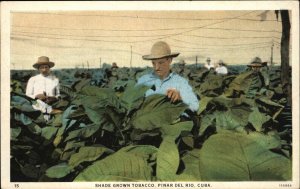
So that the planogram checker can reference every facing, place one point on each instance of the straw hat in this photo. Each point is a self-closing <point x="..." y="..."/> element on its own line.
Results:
<point x="43" y="60"/>
<point x="220" y="62"/>
<point x="256" y="62"/>
<point x="114" y="65"/>
<point x="160" y="50"/>
<point x="181" y="62"/>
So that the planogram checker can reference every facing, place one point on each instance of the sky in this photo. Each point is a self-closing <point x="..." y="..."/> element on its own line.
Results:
<point x="92" y="38"/>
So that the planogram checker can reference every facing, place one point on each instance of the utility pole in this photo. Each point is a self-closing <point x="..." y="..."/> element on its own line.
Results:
<point x="272" y="53"/>
<point x="130" y="56"/>
<point x="88" y="65"/>
<point x="100" y="62"/>
<point x="82" y="65"/>
<point x="285" y="55"/>
<point x="196" y="61"/>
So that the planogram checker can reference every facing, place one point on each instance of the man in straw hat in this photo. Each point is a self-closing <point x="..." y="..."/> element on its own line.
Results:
<point x="208" y="65"/>
<point x="256" y="64"/>
<point x="221" y="68"/>
<point x="43" y="87"/>
<point x="165" y="81"/>
<point x="260" y="78"/>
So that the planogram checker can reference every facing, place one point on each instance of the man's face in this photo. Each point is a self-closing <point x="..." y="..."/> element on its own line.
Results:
<point x="255" y="69"/>
<point x="162" y="67"/>
<point x="44" y="70"/>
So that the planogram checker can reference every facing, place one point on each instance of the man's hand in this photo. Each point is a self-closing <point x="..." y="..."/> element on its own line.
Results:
<point x="41" y="97"/>
<point x="173" y="94"/>
<point x="50" y="99"/>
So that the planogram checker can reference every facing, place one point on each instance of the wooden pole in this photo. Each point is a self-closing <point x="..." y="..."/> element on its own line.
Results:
<point x="130" y="56"/>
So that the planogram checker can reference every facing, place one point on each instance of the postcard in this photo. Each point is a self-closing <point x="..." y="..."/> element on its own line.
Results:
<point x="150" y="94"/>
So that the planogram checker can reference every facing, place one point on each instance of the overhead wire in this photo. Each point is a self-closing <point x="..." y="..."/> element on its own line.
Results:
<point x="221" y="45"/>
<point x="98" y="40"/>
<point x="162" y="36"/>
<point x="139" y="30"/>
<point x="200" y="27"/>
<point x="143" y="17"/>
<point x="208" y="37"/>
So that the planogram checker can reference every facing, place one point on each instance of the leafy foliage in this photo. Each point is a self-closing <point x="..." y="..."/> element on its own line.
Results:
<point x="120" y="166"/>
<point x="240" y="157"/>
<point x="109" y="131"/>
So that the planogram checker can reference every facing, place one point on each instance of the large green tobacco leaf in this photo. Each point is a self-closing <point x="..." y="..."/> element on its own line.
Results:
<point x="21" y="103"/>
<point x="232" y="118"/>
<point x="240" y="84"/>
<point x="73" y="145"/>
<point x="212" y="86"/>
<point x="270" y="107"/>
<point x="141" y="150"/>
<point x="85" y="132"/>
<point x="57" y="121"/>
<point x="14" y="133"/>
<point x="87" y="153"/>
<point x="79" y="85"/>
<point x="133" y="96"/>
<point x="95" y="97"/>
<point x="96" y="91"/>
<point x="206" y="121"/>
<point x="203" y="104"/>
<point x="175" y="129"/>
<point x="167" y="160"/>
<point x="269" y="141"/>
<point x="257" y="119"/>
<point x="121" y="166"/>
<point x="239" y="157"/>
<point x="34" y="128"/>
<point x="59" y="171"/>
<point x="48" y="132"/>
<point x="25" y="120"/>
<point x="107" y="116"/>
<point x="16" y="86"/>
<point x="103" y="108"/>
<point x="155" y="112"/>
<point x="66" y="124"/>
<point x="191" y="170"/>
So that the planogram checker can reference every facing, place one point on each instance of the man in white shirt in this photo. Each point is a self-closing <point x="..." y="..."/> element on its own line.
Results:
<point x="221" y="68"/>
<point x="43" y="87"/>
<point x="208" y="65"/>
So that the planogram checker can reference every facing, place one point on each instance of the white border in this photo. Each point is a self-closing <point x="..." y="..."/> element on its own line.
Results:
<point x="7" y="7"/>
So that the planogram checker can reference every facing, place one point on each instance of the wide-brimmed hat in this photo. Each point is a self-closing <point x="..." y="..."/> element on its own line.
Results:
<point x="43" y="60"/>
<point x="160" y="50"/>
<point x="220" y="62"/>
<point x="181" y="62"/>
<point x="256" y="62"/>
<point x="114" y="65"/>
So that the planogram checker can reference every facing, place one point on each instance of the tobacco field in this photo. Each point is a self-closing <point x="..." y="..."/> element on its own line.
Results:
<point x="109" y="131"/>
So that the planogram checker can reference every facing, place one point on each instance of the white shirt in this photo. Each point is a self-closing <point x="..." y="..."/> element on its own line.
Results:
<point x="209" y="66"/>
<point x="39" y="84"/>
<point x="221" y="70"/>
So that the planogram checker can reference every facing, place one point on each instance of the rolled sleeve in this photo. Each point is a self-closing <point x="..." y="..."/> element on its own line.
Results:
<point x="188" y="96"/>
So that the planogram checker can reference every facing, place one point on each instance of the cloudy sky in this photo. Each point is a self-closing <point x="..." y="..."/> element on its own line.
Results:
<point x="90" y="38"/>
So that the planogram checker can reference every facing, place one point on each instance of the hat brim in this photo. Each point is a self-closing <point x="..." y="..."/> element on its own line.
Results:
<point x="50" y="64"/>
<point x="153" y="57"/>
<point x="255" y="65"/>
<point x="262" y="64"/>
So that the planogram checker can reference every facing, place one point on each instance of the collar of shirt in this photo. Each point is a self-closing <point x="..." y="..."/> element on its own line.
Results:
<point x="154" y="76"/>
<point x="50" y="76"/>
